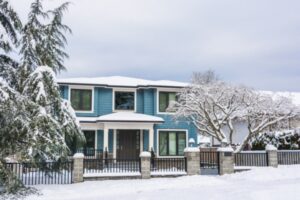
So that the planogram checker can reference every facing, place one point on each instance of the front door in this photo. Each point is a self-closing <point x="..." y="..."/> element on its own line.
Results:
<point x="128" y="144"/>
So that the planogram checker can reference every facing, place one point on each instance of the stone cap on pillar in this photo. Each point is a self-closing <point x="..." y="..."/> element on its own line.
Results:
<point x="145" y="154"/>
<point x="78" y="155"/>
<point x="225" y="149"/>
<point x="270" y="147"/>
<point x="191" y="149"/>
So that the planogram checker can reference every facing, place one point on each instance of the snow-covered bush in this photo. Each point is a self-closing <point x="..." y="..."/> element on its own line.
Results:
<point x="284" y="140"/>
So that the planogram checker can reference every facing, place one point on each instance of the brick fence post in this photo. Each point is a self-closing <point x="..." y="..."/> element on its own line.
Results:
<point x="192" y="155"/>
<point x="145" y="164"/>
<point x="78" y="168"/>
<point x="226" y="160"/>
<point x="272" y="155"/>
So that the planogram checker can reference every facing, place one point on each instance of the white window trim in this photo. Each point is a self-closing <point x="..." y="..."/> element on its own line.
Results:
<point x="170" y="130"/>
<point x="124" y="90"/>
<point x="157" y="99"/>
<point x="81" y="87"/>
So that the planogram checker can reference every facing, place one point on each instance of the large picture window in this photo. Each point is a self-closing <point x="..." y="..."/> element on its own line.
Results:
<point x="81" y="99"/>
<point x="124" y="100"/>
<point x="172" y="143"/>
<point x="165" y="100"/>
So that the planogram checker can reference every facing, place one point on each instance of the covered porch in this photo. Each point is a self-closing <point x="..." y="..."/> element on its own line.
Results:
<point x="121" y="135"/>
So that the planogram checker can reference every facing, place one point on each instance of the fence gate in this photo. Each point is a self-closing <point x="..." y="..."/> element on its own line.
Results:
<point x="209" y="162"/>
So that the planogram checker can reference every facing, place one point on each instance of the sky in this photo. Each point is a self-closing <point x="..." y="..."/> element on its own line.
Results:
<point x="254" y="43"/>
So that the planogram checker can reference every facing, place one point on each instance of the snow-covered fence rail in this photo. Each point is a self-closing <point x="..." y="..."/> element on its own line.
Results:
<point x="251" y="158"/>
<point x="111" y="166"/>
<point x="168" y="165"/>
<point x="288" y="157"/>
<point x="42" y="172"/>
<point x="90" y="153"/>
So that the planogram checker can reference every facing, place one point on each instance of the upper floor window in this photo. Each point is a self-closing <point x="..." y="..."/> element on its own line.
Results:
<point x="81" y="99"/>
<point x="165" y="101"/>
<point x="124" y="100"/>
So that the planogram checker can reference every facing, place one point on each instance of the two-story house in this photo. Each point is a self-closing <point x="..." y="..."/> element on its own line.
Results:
<point x="125" y="116"/>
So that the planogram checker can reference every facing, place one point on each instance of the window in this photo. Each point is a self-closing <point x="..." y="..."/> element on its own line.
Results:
<point x="172" y="143"/>
<point x="124" y="100"/>
<point x="165" y="100"/>
<point x="81" y="99"/>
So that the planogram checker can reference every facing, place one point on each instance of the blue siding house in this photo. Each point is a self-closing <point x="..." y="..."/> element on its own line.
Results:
<point x="124" y="116"/>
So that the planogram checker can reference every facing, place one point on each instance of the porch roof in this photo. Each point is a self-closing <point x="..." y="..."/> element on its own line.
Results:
<point x="122" y="117"/>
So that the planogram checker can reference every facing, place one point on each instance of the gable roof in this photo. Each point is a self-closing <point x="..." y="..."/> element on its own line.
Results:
<point x="121" y="81"/>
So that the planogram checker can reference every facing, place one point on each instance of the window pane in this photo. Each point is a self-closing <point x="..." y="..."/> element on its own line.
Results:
<point x="163" y="143"/>
<point x="163" y="101"/>
<point x="181" y="143"/>
<point x="86" y="100"/>
<point x="124" y="100"/>
<point x="75" y="99"/>
<point x="81" y="99"/>
<point x="172" y="143"/>
<point x="172" y="100"/>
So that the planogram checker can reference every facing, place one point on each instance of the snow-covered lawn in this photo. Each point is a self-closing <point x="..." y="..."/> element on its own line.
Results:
<point x="257" y="184"/>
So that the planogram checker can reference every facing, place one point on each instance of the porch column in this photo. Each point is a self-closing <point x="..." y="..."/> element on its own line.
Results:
<point x="141" y="140"/>
<point x="115" y="144"/>
<point x="105" y="142"/>
<point x="151" y="139"/>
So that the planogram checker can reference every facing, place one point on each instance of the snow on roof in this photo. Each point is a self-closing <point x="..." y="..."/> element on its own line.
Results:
<point x="295" y="96"/>
<point x="121" y="81"/>
<point x="123" y="117"/>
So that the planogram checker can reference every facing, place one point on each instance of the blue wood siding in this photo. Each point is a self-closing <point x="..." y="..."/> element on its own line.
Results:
<point x="140" y="101"/>
<point x="64" y="91"/>
<point x="145" y="140"/>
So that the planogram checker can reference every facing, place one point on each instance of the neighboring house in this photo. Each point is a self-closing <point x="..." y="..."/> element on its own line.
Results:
<point x="125" y="116"/>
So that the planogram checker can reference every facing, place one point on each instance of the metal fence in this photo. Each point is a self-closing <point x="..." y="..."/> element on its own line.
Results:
<point x="107" y="166"/>
<point x="171" y="165"/>
<point x="251" y="158"/>
<point x="91" y="153"/>
<point x="43" y="172"/>
<point x="288" y="157"/>
<point x="209" y="159"/>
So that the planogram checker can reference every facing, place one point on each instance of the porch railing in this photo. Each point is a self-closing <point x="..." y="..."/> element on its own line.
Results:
<point x="251" y="158"/>
<point x="172" y="165"/>
<point x="111" y="166"/>
<point x="90" y="153"/>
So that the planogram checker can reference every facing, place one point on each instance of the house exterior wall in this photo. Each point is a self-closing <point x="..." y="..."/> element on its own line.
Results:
<point x="146" y="103"/>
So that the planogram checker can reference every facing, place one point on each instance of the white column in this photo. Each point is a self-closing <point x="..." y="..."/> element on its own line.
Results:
<point x="105" y="140"/>
<point x="141" y="140"/>
<point x="151" y="139"/>
<point x="115" y="144"/>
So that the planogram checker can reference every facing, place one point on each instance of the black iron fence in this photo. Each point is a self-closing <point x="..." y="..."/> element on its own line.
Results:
<point x="172" y="165"/>
<point x="105" y="166"/>
<point x="286" y="157"/>
<point x="43" y="172"/>
<point x="209" y="159"/>
<point x="251" y="158"/>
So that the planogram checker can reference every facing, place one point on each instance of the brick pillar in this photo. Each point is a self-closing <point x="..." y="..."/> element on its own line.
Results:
<point x="272" y="155"/>
<point x="78" y="168"/>
<point x="226" y="160"/>
<point x="192" y="155"/>
<point x="145" y="164"/>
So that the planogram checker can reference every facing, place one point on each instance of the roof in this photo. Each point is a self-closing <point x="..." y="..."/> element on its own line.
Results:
<point x="121" y="81"/>
<point x="122" y="117"/>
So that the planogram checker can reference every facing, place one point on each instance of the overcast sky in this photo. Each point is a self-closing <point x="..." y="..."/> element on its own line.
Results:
<point x="254" y="42"/>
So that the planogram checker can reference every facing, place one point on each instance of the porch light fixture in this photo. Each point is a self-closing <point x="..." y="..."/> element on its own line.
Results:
<point x="191" y="142"/>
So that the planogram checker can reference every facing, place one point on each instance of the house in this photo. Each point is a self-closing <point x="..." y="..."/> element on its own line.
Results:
<point x="124" y="116"/>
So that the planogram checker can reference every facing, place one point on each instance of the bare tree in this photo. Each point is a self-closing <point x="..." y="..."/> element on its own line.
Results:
<point x="262" y="111"/>
<point x="212" y="105"/>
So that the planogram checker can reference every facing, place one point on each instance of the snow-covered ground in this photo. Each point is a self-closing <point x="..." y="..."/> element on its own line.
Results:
<point x="257" y="184"/>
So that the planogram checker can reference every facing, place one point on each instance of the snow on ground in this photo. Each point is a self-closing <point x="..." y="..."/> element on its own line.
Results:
<point x="257" y="184"/>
